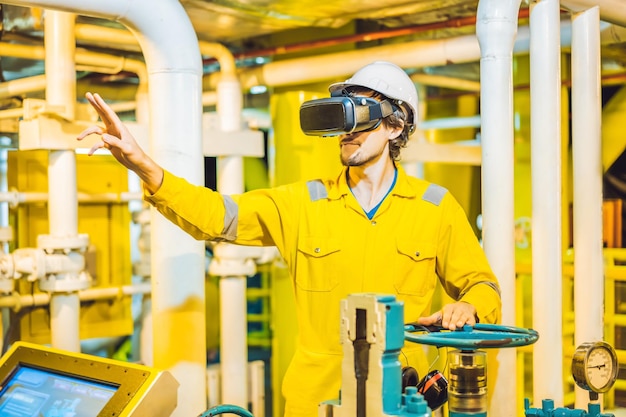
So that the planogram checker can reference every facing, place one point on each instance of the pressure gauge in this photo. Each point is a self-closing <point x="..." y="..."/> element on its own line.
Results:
<point x="594" y="366"/>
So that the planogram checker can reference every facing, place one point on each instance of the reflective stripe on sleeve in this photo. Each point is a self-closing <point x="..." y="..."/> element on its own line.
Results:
<point x="493" y="285"/>
<point x="317" y="190"/>
<point x="231" y="218"/>
<point x="434" y="194"/>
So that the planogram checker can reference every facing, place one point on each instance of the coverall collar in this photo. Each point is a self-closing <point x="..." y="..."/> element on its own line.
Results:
<point x="403" y="188"/>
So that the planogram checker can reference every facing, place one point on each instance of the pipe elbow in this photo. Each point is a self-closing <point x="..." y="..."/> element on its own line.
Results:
<point x="147" y="23"/>
<point x="162" y="47"/>
<point x="223" y="56"/>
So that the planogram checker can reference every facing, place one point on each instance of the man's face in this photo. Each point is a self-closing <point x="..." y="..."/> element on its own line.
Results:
<point x="358" y="149"/>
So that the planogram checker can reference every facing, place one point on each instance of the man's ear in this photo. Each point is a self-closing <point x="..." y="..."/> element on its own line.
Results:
<point x="395" y="133"/>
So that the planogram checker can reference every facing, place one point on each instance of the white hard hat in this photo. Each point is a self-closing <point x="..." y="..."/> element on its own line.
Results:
<point x="388" y="79"/>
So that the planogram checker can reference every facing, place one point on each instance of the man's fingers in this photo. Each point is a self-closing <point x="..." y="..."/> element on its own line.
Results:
<point x="96" y="104"/>
<point x="95" y="147"/>
<point x="458" y="318"/>
<point x="106" y="113"/>
<point x="89" y="131"/>
<point x="438" y="317"/>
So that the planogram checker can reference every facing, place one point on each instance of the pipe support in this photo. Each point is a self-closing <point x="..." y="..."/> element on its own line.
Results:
<point x="234" y="260"/>
<point x="55" y="272"/>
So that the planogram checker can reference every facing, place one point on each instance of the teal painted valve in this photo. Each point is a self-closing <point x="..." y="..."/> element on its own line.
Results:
<point x="414" y="403"/>
<point x="547" y="410"/>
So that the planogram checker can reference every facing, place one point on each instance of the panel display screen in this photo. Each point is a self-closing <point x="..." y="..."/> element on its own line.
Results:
<point x="34" y="392"/>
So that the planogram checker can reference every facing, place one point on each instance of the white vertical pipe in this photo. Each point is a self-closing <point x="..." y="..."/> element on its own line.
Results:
<point x="545" y="95"/>
<point x="175" y="78"/>
<point x="65" y="321"/>
<point x="496" y="28"/>
<point x="62" y="192"/>
<point x="587" y="177"/>
<point x="177" y="260"/>
<point x="233" y="302"/>
<point x="145" y="338"/>
<point x="229" y="106"/>
<point x="61" y="91"/>
<point x="233" y="341"/>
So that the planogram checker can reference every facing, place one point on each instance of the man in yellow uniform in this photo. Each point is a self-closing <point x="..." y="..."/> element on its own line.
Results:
<point x="372" y="228"/>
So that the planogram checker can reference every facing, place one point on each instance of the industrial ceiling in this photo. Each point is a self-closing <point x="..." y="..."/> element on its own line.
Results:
<point x="262" y="31"/>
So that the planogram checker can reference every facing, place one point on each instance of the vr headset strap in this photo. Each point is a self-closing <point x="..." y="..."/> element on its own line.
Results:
<point x="383" y="110"/>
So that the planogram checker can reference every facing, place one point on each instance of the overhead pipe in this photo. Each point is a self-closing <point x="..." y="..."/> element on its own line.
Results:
<point x="22" y="86"/>
<point x="363" y="37"/>
<point x="320" y="68"/>
<point x="16" y="301"/>
<point x="83" y="59"/>
<point x="435" y="52"/>
<point x="300" y="70"/>
<point x="451" y="123"/>
<point x="587" y="178"/>
<point x="175" y="79"/>
<point x="496" y="29"/>
<point x="610" y="34"/>
<point x="14" y="113"/>
<point x="15" y="198"/>
<point x="612" y="11"/>
<point x="124" y="40"/>
<point x="112" y="37"/>
<point x="546" y="166"/>
<point x="445" y="82"/>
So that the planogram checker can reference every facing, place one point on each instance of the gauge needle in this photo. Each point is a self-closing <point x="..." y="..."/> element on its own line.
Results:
<point x="597" y="366"/>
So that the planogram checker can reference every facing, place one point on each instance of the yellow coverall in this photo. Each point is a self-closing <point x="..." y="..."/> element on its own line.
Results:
<point x="420" y="234"/>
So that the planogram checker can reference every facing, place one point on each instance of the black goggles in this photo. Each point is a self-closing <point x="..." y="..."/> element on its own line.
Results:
<point x="335" y="116"/>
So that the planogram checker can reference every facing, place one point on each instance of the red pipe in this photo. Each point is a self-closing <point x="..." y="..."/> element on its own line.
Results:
<point x="362" y="37"/>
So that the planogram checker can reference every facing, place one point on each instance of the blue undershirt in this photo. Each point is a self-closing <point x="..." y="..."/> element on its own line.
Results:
<point x="370" y="214"/>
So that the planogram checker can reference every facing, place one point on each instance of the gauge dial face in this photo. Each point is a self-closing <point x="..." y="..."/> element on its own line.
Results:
<point x="594" y="366"/>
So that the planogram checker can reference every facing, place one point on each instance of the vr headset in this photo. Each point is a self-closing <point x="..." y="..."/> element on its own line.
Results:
<point x="339" y="115"/>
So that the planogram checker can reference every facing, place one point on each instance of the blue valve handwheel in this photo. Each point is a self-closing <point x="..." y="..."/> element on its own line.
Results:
<point x="479" y="336"/>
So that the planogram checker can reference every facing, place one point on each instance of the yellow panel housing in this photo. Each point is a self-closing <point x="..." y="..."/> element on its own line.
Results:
<point x="64" y="380"/>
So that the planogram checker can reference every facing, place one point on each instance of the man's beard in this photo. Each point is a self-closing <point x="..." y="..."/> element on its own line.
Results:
<point x="355" y="160"/>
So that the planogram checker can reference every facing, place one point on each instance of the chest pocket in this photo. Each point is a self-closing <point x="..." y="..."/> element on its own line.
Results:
<point x="319" y="263"/>
<point x="415" y="267"/>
